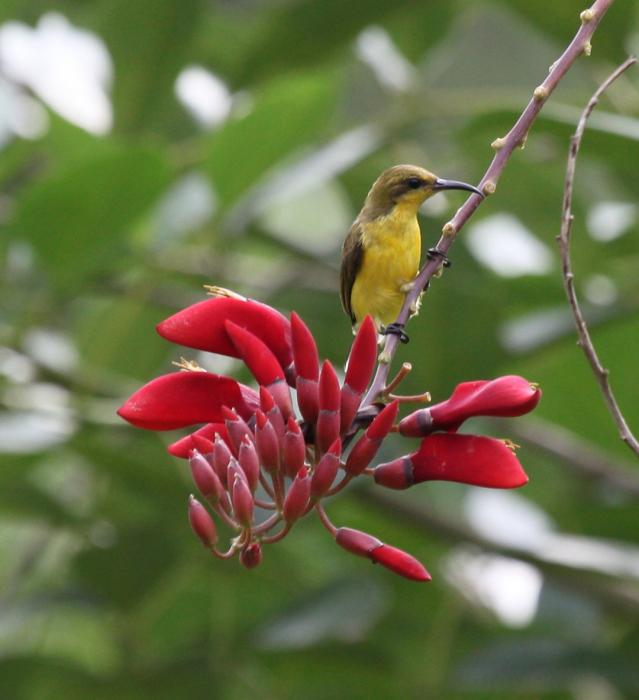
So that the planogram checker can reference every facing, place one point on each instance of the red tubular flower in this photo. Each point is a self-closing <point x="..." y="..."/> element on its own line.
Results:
<point x="326" y="470"/>
<point x="327" y="428"/>
<point x="297" y="496"/>
<point x="366" y="447"/>
<point x="182" y="448"/>
<point x="267" y="443"/>
<point x="293" y="448"/>
<point x="263" y="365"/>
<point x="505" y="396"/>
<point x="361" y="362"/>
<point x="306" y="367"/>
<point x="180" y="399"/>
<point x="251" y="555"/>
<point x="396" y="560"/>
<point x="202" y="326"/>
<point x="469" y="459"/>
<point x="202" y="523"/>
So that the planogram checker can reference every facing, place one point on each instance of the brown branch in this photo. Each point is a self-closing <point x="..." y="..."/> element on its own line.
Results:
<point x="585" y="342"/>
<point x="505" y="146"/>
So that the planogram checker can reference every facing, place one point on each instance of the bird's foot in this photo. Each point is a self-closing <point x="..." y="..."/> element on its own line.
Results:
<point x="415" y="306"/>
<point x="396" y="329"/>
<point x="437" y="253"/>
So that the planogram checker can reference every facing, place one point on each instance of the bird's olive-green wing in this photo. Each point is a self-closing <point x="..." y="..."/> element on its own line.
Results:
<point x="352" y="256"/>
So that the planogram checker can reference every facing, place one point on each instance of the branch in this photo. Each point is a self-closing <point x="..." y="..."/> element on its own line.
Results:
<point x="516" y="137"/>
<point x="585" y="342"/>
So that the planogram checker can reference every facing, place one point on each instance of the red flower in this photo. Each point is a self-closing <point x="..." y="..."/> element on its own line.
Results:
<point x="254" y="455"/>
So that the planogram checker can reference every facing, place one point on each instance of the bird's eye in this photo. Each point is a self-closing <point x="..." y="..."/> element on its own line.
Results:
<point x="414" y="183"/>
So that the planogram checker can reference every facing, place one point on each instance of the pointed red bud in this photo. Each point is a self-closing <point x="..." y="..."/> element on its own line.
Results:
<point x="326" y="470"/>
<point x="205" y="478"/>
<point x="272" y="411"/>
<point x="202" y="444"/>
<point x="505" y="396"/>
<point x="297" y="497"/>
<point x="362" y="358"/>
<point x="251" y="555"/>
<point x="237" y="429"/>
<point x="242" y="499"/>
<point x="202" y="326"/>
<point x="267" y="443"/>
<point x="221" y="457"/>
<point x="304" y="349"/>
<point x="308" y="399"/>
<point x="249" y="462"/>
<point x="263" y="365"/>
<point x="468" y="459"/>
<point x="396" y="560"/>
<point x="293" y="448"/>
<point x="182" y="448"/>
<point x="202" y="523"/>
<point x="180" y="399"/>
<point x="328" y="420"/>
<point x="366" y="447"/>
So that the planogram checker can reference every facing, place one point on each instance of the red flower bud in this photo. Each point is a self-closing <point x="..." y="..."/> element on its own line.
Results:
<point x="202" y="523"/>
<point x="267" y="443"/>
<point x="366" y="447"/>
<point x="328" y="421"/>
<point x="205" y="478"/>
<point x="396" y="560"/>
<point x="221" y="457"/>
<point x="469" y="459"/>
<point x="263" y="365"/>
<point x="504" y="396"/>
<point x="242" y="499"/>
<point x="326" y="470"/>
<point x="237" y="429"/>
<point x="297" y="497"/>
<point x="251" y="555"/>
<point x="249" y="462"/>
<point x="180" y="399"/>
<point x="272" y="411"/>
<point x="304" y="349"/>
<point x="308" y="399"/>
<point x="202" y="326"/>
<point x="182" y="448"/>
<point x="293" y="448"/>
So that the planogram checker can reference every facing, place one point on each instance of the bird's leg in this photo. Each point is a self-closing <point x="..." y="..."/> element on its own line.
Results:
<point x="395" y="329"/>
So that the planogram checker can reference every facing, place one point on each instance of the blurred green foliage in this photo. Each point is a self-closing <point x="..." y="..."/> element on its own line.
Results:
<point x="105" y="592"/>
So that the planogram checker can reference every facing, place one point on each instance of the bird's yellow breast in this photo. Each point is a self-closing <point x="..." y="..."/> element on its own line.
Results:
<point x="392" y="251"/>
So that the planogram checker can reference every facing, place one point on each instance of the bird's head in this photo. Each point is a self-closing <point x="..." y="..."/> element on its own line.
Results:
<point x="410" y="185"/>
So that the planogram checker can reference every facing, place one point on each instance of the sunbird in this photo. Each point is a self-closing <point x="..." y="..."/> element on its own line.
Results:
<point x="382" y="251"/>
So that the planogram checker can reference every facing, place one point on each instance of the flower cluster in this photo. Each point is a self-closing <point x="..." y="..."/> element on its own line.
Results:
<point x="260" y="467"/>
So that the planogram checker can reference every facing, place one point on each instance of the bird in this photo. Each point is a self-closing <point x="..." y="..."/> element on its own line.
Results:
<point x="382" y="250"/>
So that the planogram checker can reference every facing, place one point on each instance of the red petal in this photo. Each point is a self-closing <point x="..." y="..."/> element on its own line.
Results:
<point x="400" y="562"/>
<point x="201" y="326"/>
<point x="297" y="496"/>
<point x="356" y="541"/>
<point x="363" y="356"/>
<point x="397" y="474"/>
<point x="182" y="448"/>
<point x="304" y="349"/>
<point x="366" y="447"/>
<point x="180" y="399"/>
<point x="256" y="354"/>
<point x="469" y="459"/>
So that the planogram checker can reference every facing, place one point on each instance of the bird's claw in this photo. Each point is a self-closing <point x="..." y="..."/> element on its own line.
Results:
<point x="437" y="253"/>
<point x="398" y="330"/>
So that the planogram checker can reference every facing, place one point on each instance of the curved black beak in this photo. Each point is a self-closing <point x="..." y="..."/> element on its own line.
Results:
<point x="441" y="184"/>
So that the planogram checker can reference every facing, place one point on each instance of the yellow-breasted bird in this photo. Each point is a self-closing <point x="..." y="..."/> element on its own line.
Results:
<point x="382" y="251"/>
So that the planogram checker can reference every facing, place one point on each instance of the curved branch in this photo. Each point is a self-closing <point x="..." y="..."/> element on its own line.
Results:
<point x="505" y="146"/>
<point x="585" y="342"/>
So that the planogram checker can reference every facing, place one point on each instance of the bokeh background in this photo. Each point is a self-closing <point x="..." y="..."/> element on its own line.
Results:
<point x="153" y="146"/>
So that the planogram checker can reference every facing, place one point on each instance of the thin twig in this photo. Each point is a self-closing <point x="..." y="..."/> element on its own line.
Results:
<point x="585" y="342"/>
<point x="505" y="146"/>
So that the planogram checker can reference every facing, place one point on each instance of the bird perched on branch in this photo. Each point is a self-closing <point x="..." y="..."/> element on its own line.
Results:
<point x="381" y="253"/>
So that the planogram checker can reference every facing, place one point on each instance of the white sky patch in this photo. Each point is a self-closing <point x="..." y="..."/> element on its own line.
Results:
<point x="607" y="221"/>
<point x="204" y="95"/>
<point x="379" y="52"/>
<point x="68" y="68"/>
<point x="508" y="587"/>
<point x="505" y="246"/>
